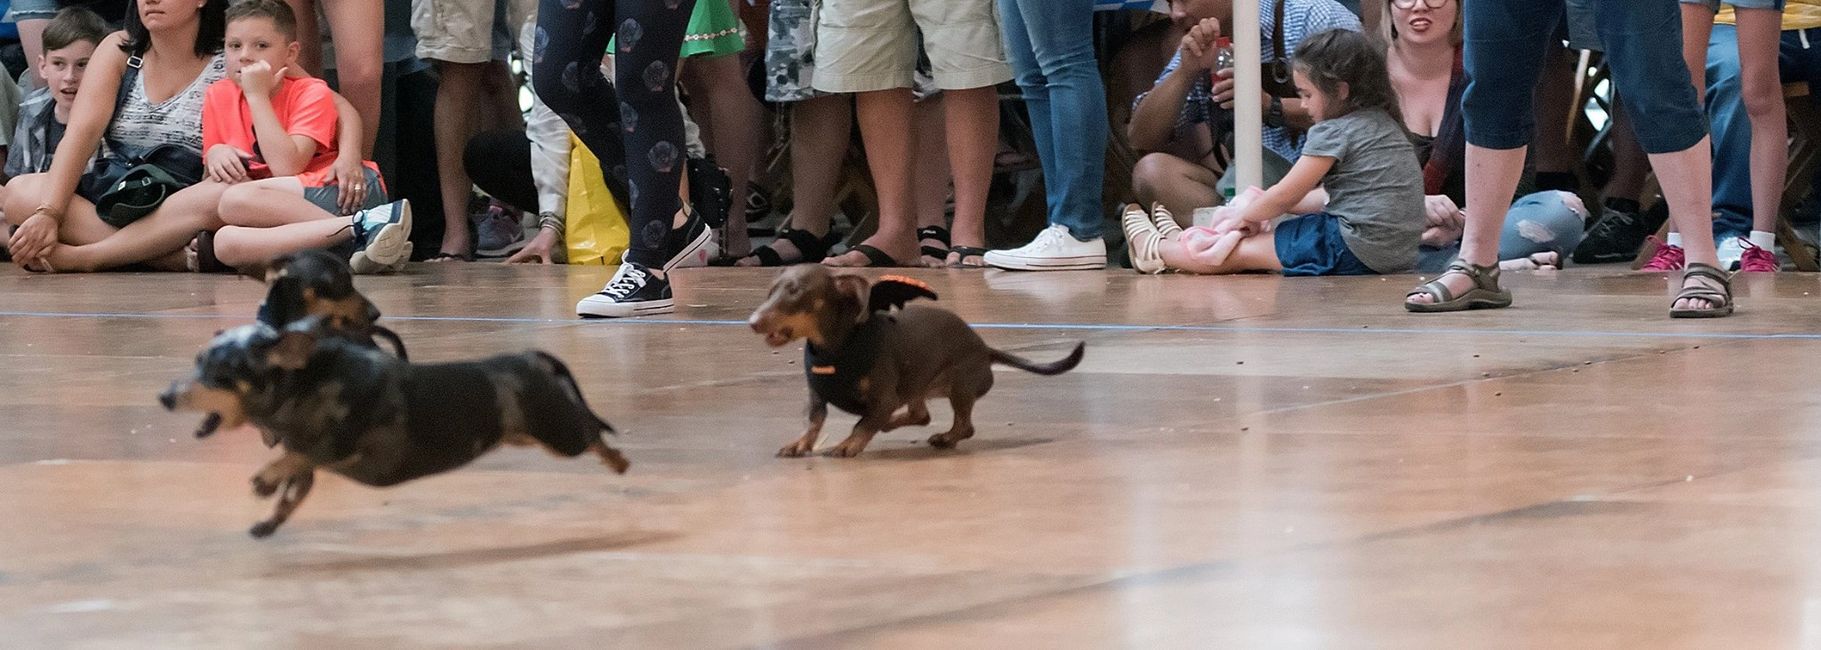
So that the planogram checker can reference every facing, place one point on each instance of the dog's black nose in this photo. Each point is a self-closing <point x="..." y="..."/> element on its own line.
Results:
<point x="169" y="399"/>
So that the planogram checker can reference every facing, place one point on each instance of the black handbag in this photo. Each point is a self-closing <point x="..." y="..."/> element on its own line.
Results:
<point x="129" y="185"/>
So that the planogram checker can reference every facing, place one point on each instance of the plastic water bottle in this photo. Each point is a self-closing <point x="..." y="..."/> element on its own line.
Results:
<point x="1224" y="58"/>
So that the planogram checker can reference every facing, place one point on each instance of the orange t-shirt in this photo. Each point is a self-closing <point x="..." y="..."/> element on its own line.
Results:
<point x="305" y="107"/>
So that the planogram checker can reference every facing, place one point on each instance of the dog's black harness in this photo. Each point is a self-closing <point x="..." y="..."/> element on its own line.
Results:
<point x="835" y="375"/>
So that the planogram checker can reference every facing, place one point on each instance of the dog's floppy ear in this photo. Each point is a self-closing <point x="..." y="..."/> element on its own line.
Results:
<point x="295" y="344"/>
<point x="853" y="289"/>
<point x="892" y="291"/>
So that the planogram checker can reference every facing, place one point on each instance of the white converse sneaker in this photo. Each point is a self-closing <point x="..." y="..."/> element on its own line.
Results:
<point x="1141" y="239"/>
<point x="1054" y="249"/>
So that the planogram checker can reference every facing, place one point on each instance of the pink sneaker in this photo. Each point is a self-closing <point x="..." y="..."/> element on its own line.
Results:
<point x="1756" y="259"/>
<point x="1667" y="258"/>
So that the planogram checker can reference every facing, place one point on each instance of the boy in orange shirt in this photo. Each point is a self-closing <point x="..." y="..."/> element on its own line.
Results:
<point x="274" y="137"/>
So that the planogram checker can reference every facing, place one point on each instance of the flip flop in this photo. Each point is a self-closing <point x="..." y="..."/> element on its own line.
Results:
<point x="875" y="258"/>
<point x="810" y="249"/>
<point x="449" y="257"/>
<point x="966" y="252"/>
<point x="206" y="262"/>
<point x="938" y="233"/>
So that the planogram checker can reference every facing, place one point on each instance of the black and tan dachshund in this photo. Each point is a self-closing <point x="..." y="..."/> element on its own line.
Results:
<point x="377" y="419"/>
<point x="870" y="355"/>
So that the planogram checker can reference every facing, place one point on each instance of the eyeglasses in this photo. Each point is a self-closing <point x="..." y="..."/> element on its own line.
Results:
<point x="1411" y="4"/>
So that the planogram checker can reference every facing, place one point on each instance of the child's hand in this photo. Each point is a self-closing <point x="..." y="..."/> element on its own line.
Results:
<point x="223" y="165"/>
<point x="1198" y="48"/>
<point x="258" y="78"/>
<point x="350" y="177"/>
<point x="1234" y="224"/>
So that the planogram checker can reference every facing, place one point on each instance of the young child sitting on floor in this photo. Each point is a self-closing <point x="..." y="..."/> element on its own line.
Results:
<point x="69" y="41"/>
<point x="1357" y="185"/>
<point x="275" y="138"/>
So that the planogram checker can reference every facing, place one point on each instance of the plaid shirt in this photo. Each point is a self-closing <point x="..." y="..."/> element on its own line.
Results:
<point x="29" y="152"/>
<point x="1303" y="17"/>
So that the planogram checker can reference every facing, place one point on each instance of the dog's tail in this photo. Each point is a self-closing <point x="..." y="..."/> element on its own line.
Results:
<point x="562" y="374"/>
<point x="1057" y="367"/>
<point x="398" y="344"/>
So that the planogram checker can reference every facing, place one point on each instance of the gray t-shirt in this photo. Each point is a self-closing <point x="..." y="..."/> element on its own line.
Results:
<point x="1374" y="188"/>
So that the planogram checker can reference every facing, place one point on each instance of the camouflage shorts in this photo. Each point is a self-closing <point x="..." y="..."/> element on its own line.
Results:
<point x="790" y="59"/>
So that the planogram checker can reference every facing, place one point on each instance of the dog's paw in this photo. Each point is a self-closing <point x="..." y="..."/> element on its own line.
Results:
<point x="948" y="440"/>
<point x="264" y="487"/>
<point x="795" y="450"/>
<point x="843" y="451"/>
<point x="263" y="529"/>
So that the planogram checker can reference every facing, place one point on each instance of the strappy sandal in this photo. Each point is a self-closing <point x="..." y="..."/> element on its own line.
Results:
<point x="964" y="252"/>
<point x="1721" y="298"/>
<point x="938" y="233"/>
<point x="1485" y="293"/>
<point x="810" y="249"/>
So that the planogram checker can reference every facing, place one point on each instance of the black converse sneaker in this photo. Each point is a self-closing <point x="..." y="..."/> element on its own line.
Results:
<point x="633" y="291"/>
<point x="692" y="245"/>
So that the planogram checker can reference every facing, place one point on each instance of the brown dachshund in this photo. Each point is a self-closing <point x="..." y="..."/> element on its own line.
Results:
<point x="869" y="355"/>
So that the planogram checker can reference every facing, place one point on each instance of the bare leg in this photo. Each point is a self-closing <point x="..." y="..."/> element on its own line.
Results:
<point x="1762" y="89"/>
<point x="158" y="235"/>
<point x="358" y="27"/>
<point x="269" y="202"/>
<point x="973" y="139"/>
<point x="1687" y="180"/>
<point x="236" y="246"/>
<point x="930" y="183"/>
<point x="819" y="132"/>
<point x="1255" y="253"/>
<point x="885" y="123"/>
<point x="31" y="39"/>
<point x="309" y="36"/>
<point x="1492" y="176"/>
<point x="457" y="97"/>
<point x="1180" y="185"/>
<point x="735" y="128"/>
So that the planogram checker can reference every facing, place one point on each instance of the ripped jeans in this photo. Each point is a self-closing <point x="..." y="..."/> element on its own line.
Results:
<point x="1536" y="223"/>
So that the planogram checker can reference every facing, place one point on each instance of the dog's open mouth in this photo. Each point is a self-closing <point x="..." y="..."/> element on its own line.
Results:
<point x="209" y="425"/>
<point x="777" y="337"/>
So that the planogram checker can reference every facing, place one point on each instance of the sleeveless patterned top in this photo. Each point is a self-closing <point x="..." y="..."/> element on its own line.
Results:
<point x="140" y="125"/>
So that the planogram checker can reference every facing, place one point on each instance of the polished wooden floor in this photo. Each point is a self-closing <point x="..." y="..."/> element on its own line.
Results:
<point x="1244" y="462"/>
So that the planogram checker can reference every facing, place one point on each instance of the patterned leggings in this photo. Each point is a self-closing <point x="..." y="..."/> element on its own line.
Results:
<point x="634" y="123"/>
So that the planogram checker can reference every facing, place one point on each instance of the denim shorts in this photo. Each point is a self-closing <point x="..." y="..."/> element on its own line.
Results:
<point x="1738" y="4"/>
<point x="31" y="10"/>
<point x="1312" y="245"/>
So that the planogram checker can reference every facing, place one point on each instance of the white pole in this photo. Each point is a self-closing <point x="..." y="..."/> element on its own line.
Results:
<point x="1248" y="107"/>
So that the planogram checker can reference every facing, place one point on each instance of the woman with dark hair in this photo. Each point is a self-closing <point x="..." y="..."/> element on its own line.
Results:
<point x="635" y="120"/>
<point x="142" y="94"/>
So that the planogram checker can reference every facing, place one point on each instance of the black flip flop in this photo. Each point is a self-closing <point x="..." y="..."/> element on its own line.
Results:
<point x="967" y="252"/>
<point x="810" y="248"/>
<point x="937" y="233"/>
<point x="206" y="262"/>
<point x="875" y="258"/>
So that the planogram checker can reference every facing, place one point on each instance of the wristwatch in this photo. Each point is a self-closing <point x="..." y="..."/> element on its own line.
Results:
<point x="1274" y="117"/>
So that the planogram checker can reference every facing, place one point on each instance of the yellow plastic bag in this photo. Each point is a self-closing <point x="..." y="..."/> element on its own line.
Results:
<point x="596" y="230"/>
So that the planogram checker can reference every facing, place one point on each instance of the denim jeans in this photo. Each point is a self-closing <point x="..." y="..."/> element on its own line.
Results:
<point x="1536" y="223"/>
<point x="1643" y="39"/>
<point x="1799" y="59"/>
<point x="1050" y="44"/>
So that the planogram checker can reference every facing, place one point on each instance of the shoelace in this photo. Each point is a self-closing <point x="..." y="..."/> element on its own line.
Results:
<point x="1614" y="220"/>
<point x="628" y="280"/>
<point x="1757" y="258"/>
<point x="1667" y="257"/>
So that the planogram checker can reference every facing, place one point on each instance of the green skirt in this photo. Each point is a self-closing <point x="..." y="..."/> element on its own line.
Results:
<point x="714" y="30"/>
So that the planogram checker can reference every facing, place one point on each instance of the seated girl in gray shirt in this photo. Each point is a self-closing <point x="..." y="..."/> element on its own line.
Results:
<point x="1368" y="220"/>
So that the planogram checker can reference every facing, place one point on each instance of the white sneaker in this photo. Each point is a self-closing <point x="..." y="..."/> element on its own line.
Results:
<point x="1730" y="251"/>
<point x="1141" y="239"/>
<point x="382" y="238"/>
<point x="633" y="291"/>
<point x="1054" y="249"/>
